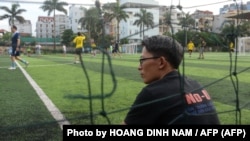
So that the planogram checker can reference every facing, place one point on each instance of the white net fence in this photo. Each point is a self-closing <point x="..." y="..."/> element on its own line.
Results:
<point x="129" y="48"/>
<point x="243" y="47"/>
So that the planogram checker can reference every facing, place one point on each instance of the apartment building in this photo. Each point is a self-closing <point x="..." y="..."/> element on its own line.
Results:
<point x="45" y="27"/>
<point x="62" y="23"/>
<point x="25" y="29"/>
<point x="75" y="14"/>
<point x="131" y="31"/>
<point x="203" y="20"/>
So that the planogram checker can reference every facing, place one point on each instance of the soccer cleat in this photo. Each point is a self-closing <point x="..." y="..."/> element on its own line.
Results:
<point x="11" y="68"/>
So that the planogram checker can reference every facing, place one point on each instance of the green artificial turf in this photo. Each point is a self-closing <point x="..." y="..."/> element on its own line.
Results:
<point x="103" y="89"/>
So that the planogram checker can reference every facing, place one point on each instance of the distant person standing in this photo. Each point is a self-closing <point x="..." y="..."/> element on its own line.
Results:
<point x="110" y="49"/>
<point x="29" y="51"/>
<point x="202" y="49"/>
<point x="115" y="50"/>
<point x="79" y="43"/>
<point x="16" y="48"/>
<point x="64" y="50"/>
<point x="190" y="47"/>
<point x="93" y="47"/>
<point x="231" y="46"/>
<point x="38" y="49"/>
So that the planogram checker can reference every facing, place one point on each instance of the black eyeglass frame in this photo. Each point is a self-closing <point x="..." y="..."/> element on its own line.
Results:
<point x="143" y="59"/>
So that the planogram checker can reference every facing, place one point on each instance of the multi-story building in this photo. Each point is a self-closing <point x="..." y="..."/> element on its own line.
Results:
<point x="110" y="26"/>
<point x="45" y="27"/>
<point x="75" y="14"/>
<point x="169" y="16"/>
<point x="62" y="23"/>
<point x="235" y="6"/>
<point x="203" y="20"/>
<point x="25" y="29"/>
<point x="128" y="29"/>
<point x="163" y="25"/>
<point x="227" y="12"/>
<point x="221" y="20"/>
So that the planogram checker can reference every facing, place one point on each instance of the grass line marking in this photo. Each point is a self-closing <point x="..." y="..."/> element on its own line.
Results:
<point x="55" y="112"/>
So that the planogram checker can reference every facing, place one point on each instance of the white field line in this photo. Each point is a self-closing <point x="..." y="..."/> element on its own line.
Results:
<point x="55" y="112"/>
<point x="34" y="66"/>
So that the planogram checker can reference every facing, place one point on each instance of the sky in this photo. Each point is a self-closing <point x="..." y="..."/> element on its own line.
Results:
<point x="33" y="10"/>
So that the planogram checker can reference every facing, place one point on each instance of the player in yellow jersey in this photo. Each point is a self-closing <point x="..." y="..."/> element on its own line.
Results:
<point x="79" y="43"/>
<point x="231" y="46"/>
<point x="93" y="47"/>
<point x="190" y="46"/>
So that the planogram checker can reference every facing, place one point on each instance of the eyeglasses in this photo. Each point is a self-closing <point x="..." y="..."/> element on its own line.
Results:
<point x="143" y="59"/>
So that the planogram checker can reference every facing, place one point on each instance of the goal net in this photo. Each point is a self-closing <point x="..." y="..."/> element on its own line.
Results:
<point x="243" y="47"/>
<point x="130" y="48"/>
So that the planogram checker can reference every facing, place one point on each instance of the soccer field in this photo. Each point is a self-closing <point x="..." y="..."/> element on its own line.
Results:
<point x="103" y="89"/>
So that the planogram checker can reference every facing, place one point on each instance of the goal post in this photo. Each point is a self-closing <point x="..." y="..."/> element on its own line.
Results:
<point x="129" y="48"/>
<point x="243" y="47"/>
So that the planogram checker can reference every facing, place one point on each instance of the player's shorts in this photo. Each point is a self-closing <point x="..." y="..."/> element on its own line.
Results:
<point x="14" y="52"/>
<point x="78" y="50"/>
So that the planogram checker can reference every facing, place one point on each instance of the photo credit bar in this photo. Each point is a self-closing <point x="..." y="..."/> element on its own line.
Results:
<point x="159" y="132"/>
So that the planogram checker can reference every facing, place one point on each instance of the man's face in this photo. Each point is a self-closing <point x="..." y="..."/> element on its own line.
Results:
<point x="148" y="67"/>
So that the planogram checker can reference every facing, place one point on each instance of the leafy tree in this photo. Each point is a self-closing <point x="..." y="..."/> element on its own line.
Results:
<point x="52" y="6"/>
<point x="145" y="19"/>
<point x="6" y="38"/>
<point x="245" y="28"/>
<point x="216" y="41"/>
<point x="105" y="42"/>
<point x="124" y="41"/>
<point x="187" y="21"/>
<point x="67" y="37"/>
<point x="230" y="31"/>
<point x="13" y="14"/>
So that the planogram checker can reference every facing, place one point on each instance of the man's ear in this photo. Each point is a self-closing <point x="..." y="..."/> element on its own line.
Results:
<point x="163" y="62"/>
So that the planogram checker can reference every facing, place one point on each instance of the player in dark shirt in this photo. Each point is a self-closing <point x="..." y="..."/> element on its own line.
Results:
<point x="16" y="48"/>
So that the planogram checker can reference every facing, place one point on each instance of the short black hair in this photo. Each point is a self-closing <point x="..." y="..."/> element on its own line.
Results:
<point x="13" y="26"/>
<point x="160" y="45"/>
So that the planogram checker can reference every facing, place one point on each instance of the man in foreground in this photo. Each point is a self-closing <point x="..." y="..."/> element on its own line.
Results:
<point x="169" y="98"/>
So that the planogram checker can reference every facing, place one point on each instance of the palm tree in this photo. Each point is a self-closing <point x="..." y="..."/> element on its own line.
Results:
<point x="13" y="14"/>
<point x="145" y="19"/>
<point x="91" y="22"/>
<point x="52" y="6"/>
<point x="187" y="21"/>
<point x="118" y="13"/>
